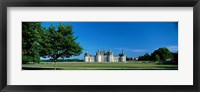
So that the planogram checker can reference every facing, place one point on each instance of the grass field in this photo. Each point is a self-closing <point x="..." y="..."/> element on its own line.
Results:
<point x="98" y="66"/>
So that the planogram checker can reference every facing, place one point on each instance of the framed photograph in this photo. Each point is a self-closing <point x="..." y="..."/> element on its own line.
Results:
<point x="129" y="45"/>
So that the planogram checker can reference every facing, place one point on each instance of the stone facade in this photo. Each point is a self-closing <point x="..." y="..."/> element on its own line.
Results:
<point x="105" y="56"/>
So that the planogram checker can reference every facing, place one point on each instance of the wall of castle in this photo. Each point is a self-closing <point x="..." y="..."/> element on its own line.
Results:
<point x="86" y="59"/>
<point x="98" y="58"/>
<point x="124" y="58"/>
<point x="116" y="59"/>
<point x="89" y="59"/>
<point x="110" y="58"/>
<point x="92" y="59"/>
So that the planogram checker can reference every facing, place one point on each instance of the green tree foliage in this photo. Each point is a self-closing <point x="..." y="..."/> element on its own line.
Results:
<point x="175" y="56"/>
<point x="163" y="53"/>
<point x="129" y="59"/>
<point x="157" y="57"/>
<point x="145" y="57"/>
<point x="59" y="42"/>
<point x="30" y="38"/>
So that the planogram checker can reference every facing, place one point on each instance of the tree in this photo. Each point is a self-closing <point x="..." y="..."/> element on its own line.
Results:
<point x="146" y="56"/>
<point x="30" y="39"/>
<point x="140" y="58"/>
<point x="175" y="56"/>
<point x="59" y="43"/>
<point x="163" y="53"/>
<point x="129" y="59"/>
<point x="157" y="57"/>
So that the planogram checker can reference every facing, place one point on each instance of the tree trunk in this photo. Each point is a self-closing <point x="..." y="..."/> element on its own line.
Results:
<point x="54" y="64"/>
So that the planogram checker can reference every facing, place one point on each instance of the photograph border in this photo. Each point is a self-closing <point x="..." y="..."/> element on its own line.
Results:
<point x="98" y="3"/>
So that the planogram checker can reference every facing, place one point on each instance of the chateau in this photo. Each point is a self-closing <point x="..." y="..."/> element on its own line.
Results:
<point x="105" y="56"/>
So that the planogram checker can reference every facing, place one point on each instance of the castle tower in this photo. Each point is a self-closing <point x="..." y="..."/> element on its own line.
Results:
<point x="98" y="56"/>
<point x="87" y="57"/>
<point x="123" y="56"/>
<point x="104" y="56"/>
<point x="110" y="56"/>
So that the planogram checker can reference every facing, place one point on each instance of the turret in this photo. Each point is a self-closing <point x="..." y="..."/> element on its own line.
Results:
<point x="122" y="57"/>
<point x="123" y="52"/>
<point x="87" y="57"/>
<point x="110" y="56"/>
<point x="98" y="56"/>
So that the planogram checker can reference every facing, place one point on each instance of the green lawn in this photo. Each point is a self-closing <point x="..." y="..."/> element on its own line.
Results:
<point x="98" y="66"/>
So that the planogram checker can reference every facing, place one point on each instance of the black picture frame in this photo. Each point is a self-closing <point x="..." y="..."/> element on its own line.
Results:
<point x="98" y="3"/>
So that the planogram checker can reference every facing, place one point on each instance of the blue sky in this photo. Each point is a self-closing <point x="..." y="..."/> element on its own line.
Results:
<point x="136" y="38"/>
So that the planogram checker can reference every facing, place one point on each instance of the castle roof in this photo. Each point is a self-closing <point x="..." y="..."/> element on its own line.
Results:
<point x="87" y="54"/>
